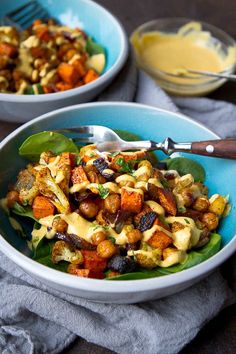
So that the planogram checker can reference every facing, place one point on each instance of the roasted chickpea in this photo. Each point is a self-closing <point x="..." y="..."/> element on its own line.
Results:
<point x="134" y="236"/>
<point x="112" y="203"/>
<point x="201" y="204"/>
<point x="12" y="197"/>
<point x="59" y="225"/>
<point x="210" y="220"/>
<point x="88" y="208"/>
<point x="126" y="184"/>
<point x="187" y="196"/>
<point x="98" y="237"/>
<point x="106" y="249"/>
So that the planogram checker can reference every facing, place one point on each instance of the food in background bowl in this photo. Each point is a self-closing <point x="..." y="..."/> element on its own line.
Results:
<point x="47" y="58"/>
<point x="99" y="24"/>
<point x="120" y="216"/>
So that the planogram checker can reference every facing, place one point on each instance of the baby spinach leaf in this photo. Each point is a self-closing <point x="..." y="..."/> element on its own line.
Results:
<point x="35" y="144"/>
<point x="125" y="135"/>
<point x="194" y="257"/>
<point x="43" y="252"/>
<point x="184" y="165"/>
<point x="94" y="48"/>
<point x="23" y="211"/>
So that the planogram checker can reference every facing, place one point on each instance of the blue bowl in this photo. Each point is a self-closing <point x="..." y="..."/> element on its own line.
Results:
<point x="98" y="23"/>
<point x="149" y="123"/>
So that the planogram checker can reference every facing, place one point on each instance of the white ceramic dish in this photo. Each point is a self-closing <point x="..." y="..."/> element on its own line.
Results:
<point x="98" y="23"/>
<point x="150" y="123"/>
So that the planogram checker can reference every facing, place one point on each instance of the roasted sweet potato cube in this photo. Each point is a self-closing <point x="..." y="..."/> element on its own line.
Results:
<point x="63" y="86"/>
<point x="78" y="175"/>
<point x="68" y="73"/>
<point x="93" y="261"/>
<point x="90" y="76"/>
<point x="126" y="157"/>
<point x="167" y="200"/>
<point x="131" y="200"/>
<point x="162" y="224"/>
<point x="42" y="207"/>
<point x="8" y="49"/>
<point x="68" y="158"/>
<point x="160" y="240"/>
<point x="80" y="67"/>
<point x="85" y="273"/>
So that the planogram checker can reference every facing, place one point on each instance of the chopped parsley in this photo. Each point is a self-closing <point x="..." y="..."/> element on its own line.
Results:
<point x="79" y="160"/>
<point x="112" y="239"/>
<point x="187" y="221"/>
<point x="103" y="192"/>
<point x="127" y="167"/>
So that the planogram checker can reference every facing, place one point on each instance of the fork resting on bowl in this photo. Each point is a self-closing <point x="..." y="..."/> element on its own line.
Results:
<point x="107" y="140"/>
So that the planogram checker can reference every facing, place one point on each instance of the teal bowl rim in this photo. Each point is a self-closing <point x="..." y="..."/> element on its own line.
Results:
<point x="103" y="286"/>
<point x="114" y="69"/>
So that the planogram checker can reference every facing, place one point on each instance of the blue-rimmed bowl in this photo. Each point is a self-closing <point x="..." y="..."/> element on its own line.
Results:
<point x="98" y="23"/>
<point x="149" y="123"/>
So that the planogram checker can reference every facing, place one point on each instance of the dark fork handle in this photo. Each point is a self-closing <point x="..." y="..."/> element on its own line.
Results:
<point x="225" y="148"/>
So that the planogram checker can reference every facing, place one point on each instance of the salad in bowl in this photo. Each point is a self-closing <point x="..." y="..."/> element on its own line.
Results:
<point x="114" y="216"/>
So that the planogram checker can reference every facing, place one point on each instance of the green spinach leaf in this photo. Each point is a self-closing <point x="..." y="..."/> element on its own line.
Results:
<point x="194" y="257"/>
<point x="35" y="144"/>
<point x="94" y="48"/>
<point x="184" y="165"/>
<point x="23" y="211"/>
<point x="43" y="253"/>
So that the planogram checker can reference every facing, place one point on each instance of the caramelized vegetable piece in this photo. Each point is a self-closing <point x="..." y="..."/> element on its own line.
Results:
<point x="68" y="73"/>
<point x="126" y="158"/>
<point x="160" y="240"/>
<point x="147" y="221"/>
<point x="217" y="204"/>
<point x="67" y="158"/>
<point x="167" y="200"/>
<point x="85" y="273"/>
<point x="93" y="261"/>
<point x="12" y="198"/>
<point x="146" y="209"/>
<point x="80" y="68"/>
<point x="42" y="207"/>
<point x="8" y="49"/>
<point x="63" y="86"/>
<point x="90" y="76"/>
<point x="131" y="200"/>
<point x="78" y="175"/>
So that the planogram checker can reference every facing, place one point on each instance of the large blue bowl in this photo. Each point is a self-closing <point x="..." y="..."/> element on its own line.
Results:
<point x="150" y="123"/>
<point x="98" y="23"/>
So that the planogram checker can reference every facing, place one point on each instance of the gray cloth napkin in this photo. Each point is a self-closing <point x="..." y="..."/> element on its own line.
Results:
<point x="37" y="319"/>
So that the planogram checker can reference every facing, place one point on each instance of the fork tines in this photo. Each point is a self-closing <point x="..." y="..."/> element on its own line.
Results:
<point x="23" y="16"/>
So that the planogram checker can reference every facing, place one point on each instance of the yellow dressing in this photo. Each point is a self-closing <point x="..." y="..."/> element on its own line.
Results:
<point x="189" y="48"/>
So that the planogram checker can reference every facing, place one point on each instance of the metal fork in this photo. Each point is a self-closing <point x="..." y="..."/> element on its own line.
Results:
<point x="23" y="16"/>
<point x="107" y="140"/>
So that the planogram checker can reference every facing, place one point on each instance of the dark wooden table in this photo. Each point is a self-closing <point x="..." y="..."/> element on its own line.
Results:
<point x="217" y="337"/>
